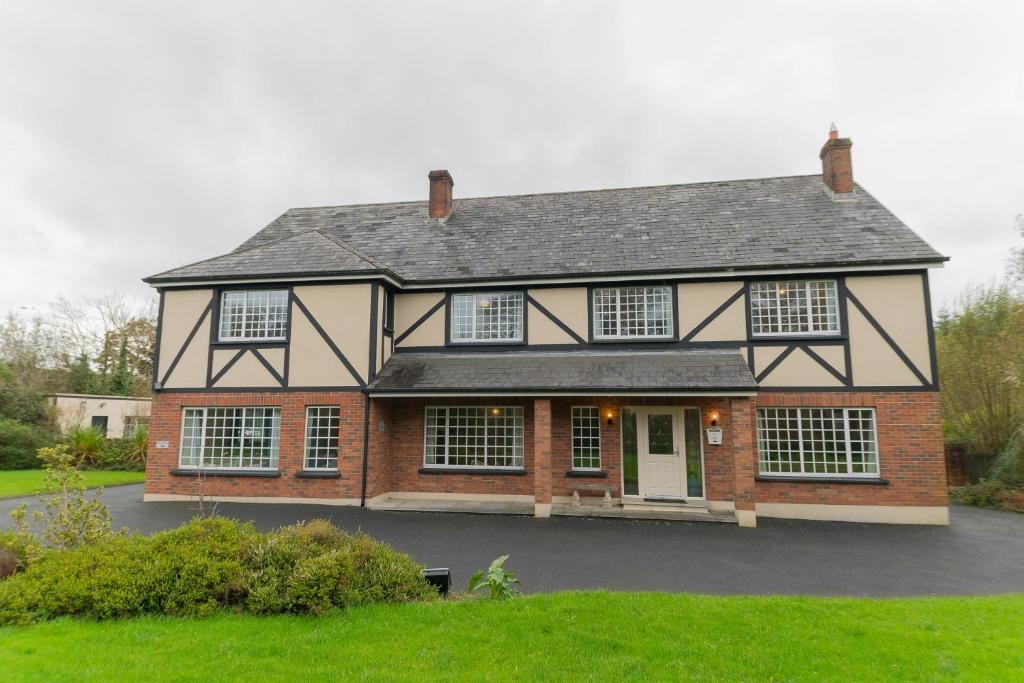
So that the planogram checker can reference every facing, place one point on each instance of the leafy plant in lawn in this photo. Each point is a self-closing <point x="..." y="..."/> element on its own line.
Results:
<point x="86" y="444"/>
<point x="500" y="582"/>
<point x="69" y="518"/>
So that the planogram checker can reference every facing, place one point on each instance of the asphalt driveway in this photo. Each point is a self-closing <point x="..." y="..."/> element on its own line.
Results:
<point x="982" y="552"/>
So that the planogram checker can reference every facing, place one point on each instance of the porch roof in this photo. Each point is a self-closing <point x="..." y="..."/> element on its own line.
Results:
<point x="713" y="371"/>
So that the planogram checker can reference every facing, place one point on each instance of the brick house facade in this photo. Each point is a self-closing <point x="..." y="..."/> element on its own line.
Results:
<point x="695" y="349"/>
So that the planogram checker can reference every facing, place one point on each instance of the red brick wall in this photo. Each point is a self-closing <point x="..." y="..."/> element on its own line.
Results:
<point x="910" y="451"/>
<point x="165" y="425"/>
<point x="909" y="432"/>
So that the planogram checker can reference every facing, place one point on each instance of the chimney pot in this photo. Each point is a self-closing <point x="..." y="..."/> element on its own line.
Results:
<point x="441" y="184"/>
<point x="836" y="163"/>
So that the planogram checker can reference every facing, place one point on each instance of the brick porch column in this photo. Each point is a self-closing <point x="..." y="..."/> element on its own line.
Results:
<point x="744" y="459"/>
<point x="542" y="457"/>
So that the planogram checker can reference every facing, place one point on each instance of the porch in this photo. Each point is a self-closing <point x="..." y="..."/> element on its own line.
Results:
<point x="668" y="435"/>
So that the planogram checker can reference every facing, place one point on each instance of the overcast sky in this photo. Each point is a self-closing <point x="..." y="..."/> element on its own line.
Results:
<point x="135" y="137"/>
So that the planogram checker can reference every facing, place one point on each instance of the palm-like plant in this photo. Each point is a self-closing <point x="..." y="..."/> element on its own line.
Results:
<point x="86" y="444"/>
<point x="139" y="442"/>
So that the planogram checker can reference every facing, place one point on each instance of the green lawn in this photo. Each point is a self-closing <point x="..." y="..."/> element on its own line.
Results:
<point x="27" y="482"/>
<point x="561" y="636"/>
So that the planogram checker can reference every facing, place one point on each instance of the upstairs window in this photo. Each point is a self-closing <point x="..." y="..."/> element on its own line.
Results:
<point x="633" y="313"/>
<point x="794" y="308"/>
<point x="487" y="317"/>
<point x="254" y="315"/>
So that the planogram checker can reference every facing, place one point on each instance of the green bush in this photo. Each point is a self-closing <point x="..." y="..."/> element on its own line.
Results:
<point x="211" y="564"/>
<point x="19" y="443"/>
<point x="87" y="444"/>
<point x="990" y="494"/>
<point x="119" y="454"/>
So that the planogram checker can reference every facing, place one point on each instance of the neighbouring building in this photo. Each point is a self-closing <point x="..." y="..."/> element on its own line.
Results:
<point x="114" y="416"/>
<point x="736" y="349"/>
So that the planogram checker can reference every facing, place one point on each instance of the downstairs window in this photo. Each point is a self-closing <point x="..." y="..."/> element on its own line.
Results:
<point x="230" y="438"/>
<point x="817" y="441"/>
<point x="474" y="436"/>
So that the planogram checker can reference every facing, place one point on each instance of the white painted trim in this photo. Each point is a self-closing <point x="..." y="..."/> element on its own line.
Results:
<point x="724" y="274"/>
<point x="166" y="497"/>
<point x="468" y="497"/>
<point x="597" y="392"/>
<point x="879" y="514"/>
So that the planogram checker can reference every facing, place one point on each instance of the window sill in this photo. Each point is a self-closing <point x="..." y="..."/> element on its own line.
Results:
<point x="797" y="338"/>
<point x="226" y="473"/>
<point x="633" y="340"/>
<point x="242" y="343"/>
<point x="475" y="470"/>
<point x="587" y="474"/>
<point x="318" y="474"/>
<point x="877" y="481"/>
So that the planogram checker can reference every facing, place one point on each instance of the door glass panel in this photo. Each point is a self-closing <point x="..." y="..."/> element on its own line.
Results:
<point x="659" y="435"/>
<point x="630" y="479"/>
<point x="694" y="470"/>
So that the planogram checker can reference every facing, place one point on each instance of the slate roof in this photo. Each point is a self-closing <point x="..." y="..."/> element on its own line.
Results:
<point x="741" y="224"/>
<point x="554" y="372"/>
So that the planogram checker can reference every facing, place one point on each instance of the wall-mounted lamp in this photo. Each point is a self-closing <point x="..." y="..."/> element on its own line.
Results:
<point x="609" y="416"/>
<point x="714" y="418"/>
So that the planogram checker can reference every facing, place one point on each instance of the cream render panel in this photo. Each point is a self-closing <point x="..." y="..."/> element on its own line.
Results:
<point x="698" y="300"/>
<point x="246" y="372"/>
<point x="800" y="370"/>
<point x="568" y="305"/>
<point x="343" y="312"/>
<point x="190" y="372"/>
<point x="409" y="308"/>
<point x="873" y="360"/>
<point x="181" y="311"/>
<point x="897" y="302"/>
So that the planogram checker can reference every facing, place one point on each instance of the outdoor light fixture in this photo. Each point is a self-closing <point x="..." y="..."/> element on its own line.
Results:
<point x="609" y="416"/>
<point x="440" y="578"/>
<point x="714" y="418"/>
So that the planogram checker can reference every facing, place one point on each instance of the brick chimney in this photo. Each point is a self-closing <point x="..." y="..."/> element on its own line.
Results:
<point x="836" y="166"/>
<point x="441" y="185"/>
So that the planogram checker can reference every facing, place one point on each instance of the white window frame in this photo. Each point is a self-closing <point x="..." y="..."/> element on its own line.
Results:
<point x="618" y="336"/>
<point x="572" y="437"/>
<point x="221" y="336"/>
<point x="336" y="428"/>
<point x="475" y="337"/>
<point x="131" y="424"/>
<point x="801" y="418"/>
<point x="806" y="284"/>
<point x="520" y="456"/>
<point x="275" y="449"/>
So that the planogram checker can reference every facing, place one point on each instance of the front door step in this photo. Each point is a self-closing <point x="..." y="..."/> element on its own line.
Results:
<point x="647" y="511"/>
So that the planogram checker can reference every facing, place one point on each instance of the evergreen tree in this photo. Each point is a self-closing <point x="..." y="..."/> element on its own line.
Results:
<point x="81" y="378"/>
<point x="121" y="381"/>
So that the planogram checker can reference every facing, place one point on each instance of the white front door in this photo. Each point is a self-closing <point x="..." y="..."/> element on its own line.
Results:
<point x="660" y="446"/>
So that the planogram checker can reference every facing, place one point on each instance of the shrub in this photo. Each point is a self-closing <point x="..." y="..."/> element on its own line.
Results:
<point x="990" y="494"/>
<point x="86" y="443"/>
<point x="210" y="564"/>
<point x="120" y="454"/>
<point x="19" y="443"/>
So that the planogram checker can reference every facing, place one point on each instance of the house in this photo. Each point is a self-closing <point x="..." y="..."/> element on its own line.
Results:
<point x="735" y="349"/>
<point x="113" y="416"/>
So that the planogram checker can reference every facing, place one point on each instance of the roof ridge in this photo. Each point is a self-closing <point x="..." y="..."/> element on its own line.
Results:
<point x="561" y="192"/>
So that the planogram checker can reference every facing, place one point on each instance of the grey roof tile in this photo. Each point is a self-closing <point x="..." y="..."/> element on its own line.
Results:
<point x="741" y="224"/>
<point x="598" y="371"/>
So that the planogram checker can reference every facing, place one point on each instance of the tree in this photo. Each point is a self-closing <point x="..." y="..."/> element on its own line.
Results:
<point x="81" y="377"/>
<point x="121" y="381"/>
<point x="980" y="348"/>
<point x="1015" y="267"/>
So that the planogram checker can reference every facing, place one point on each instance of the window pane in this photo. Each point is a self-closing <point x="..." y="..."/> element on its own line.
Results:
<point x="625" y="312"/>
<point x="254" y="314"/>
<point x="494" y="316"/>
<point x="660" y="440"/>
<point x="816" y="441"/>
<point x="630" y="470"/>
<point x="474" y="436"/>
<point x="794" y="307"/>
<point x="586" y="438"/>
<point x="230" y="438"/>
<point x="322" y="437"/>
<point x="694" y="467"/>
